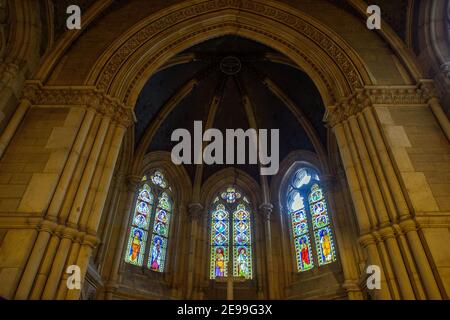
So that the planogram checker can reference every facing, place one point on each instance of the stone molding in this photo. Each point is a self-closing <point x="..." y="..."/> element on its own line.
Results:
<point x="265" y="9"/>
<point x="90" y="97"/>
<point x="370" y="96"/>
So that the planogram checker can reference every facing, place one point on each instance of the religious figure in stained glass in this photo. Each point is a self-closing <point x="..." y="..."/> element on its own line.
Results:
<point x="220" y="263"/>
<point x="136" y="246"/>
<point x="311" y="219"/>
<point x="242" y="269"/>
<point x="155" y="262"/>
<point x="152" y="213"/>
<point x="231" y="233"/>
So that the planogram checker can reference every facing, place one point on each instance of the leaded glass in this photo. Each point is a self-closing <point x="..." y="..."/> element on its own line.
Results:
<point x="158" y="179"/>
<point x="231" y="195"/>
<point x="242" y="240"/>
<point x="231" y="233"/>
<point x="219" y="261"/>
<point x="309" y="220"/>
<point x="303" y="253"/>
<point x="152" y="212"/>
<point x="136" y="246"/>
<point x="157" y="253"/>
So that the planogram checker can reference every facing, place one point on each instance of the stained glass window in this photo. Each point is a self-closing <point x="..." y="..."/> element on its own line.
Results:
<point x="231" y="236"/>
<point x="310" y="223"/>
<point x="150" y="223"/>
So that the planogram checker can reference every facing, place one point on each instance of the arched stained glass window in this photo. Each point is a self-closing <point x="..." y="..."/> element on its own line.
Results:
<point x="231" y="236"/>
<point x="150" y="223"/>
<point x="310" y="222"/>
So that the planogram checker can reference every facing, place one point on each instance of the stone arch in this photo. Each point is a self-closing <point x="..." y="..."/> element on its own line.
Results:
<point x="125" y="66"/>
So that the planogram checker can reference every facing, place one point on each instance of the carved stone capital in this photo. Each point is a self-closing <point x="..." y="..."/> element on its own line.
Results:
<point x="48" y="226"/>
<point x="408" y="226"/>
<point x="265" y="210"/>
<point x="90" y="240"/>
<point x="386" y="233"/>
<point x="195" y="210"/>
<point x="428" y="90"/>
<point x="370" y="96"/>
<point x="366" y="240"/>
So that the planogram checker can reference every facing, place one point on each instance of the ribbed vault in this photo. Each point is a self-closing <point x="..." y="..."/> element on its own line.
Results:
<point x="230" y="83"/>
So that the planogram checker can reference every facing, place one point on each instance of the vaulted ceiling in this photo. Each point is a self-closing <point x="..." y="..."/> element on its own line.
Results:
<point x="205" y="63"/>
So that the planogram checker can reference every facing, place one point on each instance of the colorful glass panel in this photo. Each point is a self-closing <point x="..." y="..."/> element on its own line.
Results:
<point x="147" y="216"/>
<point x="301" y="178"/>
<point x="242" y="258"/>
<point x="231" y="240"/>
<point x="161" y="225"/>
<point x="231" y="195"/>
<point x="325" y="246"/>
<point x="164" y="202"/>
<point x="158" y="179"/>
<point x="219" y="261"/>
<point x="157" y="253"/>
<point x="303" y="253"/>
<point x="136" y="246"/>
<point x="242" y="254"/>
<point x="313" y="219"/>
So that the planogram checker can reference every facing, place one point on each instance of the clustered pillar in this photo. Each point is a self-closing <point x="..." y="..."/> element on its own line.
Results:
<point x="381" y="208"/>
<point x="68" y="232"/>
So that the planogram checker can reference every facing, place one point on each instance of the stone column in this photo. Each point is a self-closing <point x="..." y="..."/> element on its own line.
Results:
<point x="45" y="268"/>
<point x="441" y="117"/>
<point x="352" y="179"/>
<point x="45" y="232"/>
<point x="68" y="235"/>
<point x="369" y="173"/>
<point x="426" y="273"/>
<point x="88" y="173"/>
<point x="14" y="122"/>
<point x="70" y="166"/>
<point x="195" y="213"/>
<point x="266" y="211"/>
<point x="400" y="271"/>
<point x="327" y="183"/>
<point x="90" y="239"/>
<point x="84" y="254"/>
<point x="368" y="242"/>
<point x="388" y="168"/>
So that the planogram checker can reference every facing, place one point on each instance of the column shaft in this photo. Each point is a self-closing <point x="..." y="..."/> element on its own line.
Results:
<point x="378" y="170"/>
<point x="440" y="116"/>
<point x="105" y="180"/>
<point x="372" y="182"/>
<point x="88" y="172"/>
<point x="69" y="168"/>
<point x="352" y="178"/>
<point x="13" y="124"/>
<point x="32" y="266"/>
<point x="418" y="251"/>
<point x="45" y="268"/>
<point x="57" y="269"/>
<point x="388" y="168"/>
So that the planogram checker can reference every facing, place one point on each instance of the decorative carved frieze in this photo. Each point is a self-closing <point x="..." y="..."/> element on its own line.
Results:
<point x="85" y="96"/>
<point x="381" y="95"/>
<point x="321" y="39"/>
